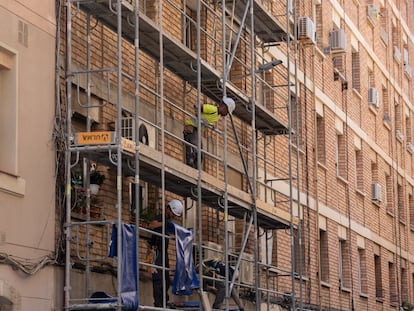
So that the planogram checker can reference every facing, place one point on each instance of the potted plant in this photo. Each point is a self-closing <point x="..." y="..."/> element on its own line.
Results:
<point x="95" y="181"/>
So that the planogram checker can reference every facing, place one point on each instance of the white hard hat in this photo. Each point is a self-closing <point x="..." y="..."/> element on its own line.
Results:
<point x="229" y="103"/>
<point x="176" y="207"/>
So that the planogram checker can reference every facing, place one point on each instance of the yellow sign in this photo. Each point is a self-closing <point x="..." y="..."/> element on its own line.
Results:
<point x="128" y="145"/>
<point x="94" y="138"/>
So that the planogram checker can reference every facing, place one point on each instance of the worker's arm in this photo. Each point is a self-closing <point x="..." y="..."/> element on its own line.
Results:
<point x="154" y="224"/>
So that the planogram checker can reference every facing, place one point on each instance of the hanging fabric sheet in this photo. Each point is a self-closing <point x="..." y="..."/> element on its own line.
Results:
<point x="129" y="290"/>
<point x="185" y="276"/>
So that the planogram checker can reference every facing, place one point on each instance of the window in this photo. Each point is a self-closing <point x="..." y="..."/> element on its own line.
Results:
<point x="371" y="78"/>
<point x="146" y="212"/>
<point x="401" y="203"/>
<point x="359" y="169"/>
<point x="408" y="130"/>
<point x="340" y="156"/>
<point x="189" y="32"/>
<point x="406" y="61"/>
<point x="8" y="112"/>
<point x="362" y="271"/>
<point x="404" y="281"/>
<point x="319" y="25"/>
<point x="386" y="105"/>
<point x="320" y="127"/>
<point x="388" y="193"/>
<point x="383" y="25"/>
<point x="296" y="109"/>
<point x="398" y="122"/>
<point x="344" y="265"/>
<point x="392" y="283"/>
<point x="324" y="255"/>
<point x="356" y="79"/>
<point x="411" y="209"/>
<point x="299" y="254"/>
<point x="379" y="291"/>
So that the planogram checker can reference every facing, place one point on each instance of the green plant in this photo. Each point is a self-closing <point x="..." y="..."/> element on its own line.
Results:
<point x="407" y="306"/>
<point x="96" y="178"/>
<point x="76" y="179"/>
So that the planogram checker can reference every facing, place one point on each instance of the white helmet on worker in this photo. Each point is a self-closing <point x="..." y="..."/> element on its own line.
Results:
<point x="229" y="102"/>
<point x="176" y="207"/>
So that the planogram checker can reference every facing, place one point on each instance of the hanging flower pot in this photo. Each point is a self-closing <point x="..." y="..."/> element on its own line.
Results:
<point x="94" y="188"/>
<point x="95" y="179"/>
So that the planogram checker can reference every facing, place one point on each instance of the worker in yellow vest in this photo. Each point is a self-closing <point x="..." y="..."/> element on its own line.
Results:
<point x="210" y="114"/>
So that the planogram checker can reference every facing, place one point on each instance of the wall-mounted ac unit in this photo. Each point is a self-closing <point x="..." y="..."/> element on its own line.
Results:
<point x="373" y="97"/>
<point x="399" y="135"/>
<point x="246" y="275"/>
<point x="306" y="29"/>
<point x="397" y="54"/>
<point x="376" y="192"/>
<point x="373" y="13"/>
<point x="337" y="41"/>
<point x="410" y="147"/>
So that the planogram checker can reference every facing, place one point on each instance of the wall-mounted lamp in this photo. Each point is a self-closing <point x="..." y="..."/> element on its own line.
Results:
<point x="269" y="65"/>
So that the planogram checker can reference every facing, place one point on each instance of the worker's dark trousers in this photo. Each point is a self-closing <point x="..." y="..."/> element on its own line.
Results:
<point x="158" y="288"/>
<point x="190" y="151"/>
<point x="221" y="293"/>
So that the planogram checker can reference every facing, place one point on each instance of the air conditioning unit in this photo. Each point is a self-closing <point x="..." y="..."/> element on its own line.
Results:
<point x="410" y="147"/>
<point x="399" y="135"/>
<point x="337" y="41"/>
<point x="397" y="54"/>
<point x="373" y="13"/>
<point x="376" y="192"/>
<point x="246" y="275"/>
<point x="373" y="97"/>
<point x="306" y="31"/>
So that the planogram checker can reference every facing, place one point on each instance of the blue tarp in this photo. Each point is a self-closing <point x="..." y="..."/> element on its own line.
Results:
<point x="129" y="290"/>
<point x="185" y="276"/>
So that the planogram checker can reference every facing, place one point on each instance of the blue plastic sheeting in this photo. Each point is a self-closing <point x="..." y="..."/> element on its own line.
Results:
<point x="185" y="276"/>
<point x="129" y="290"/>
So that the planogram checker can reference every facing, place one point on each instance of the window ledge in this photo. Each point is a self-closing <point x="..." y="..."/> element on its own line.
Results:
<point x="357" y="93"/>
<point x="345" y="289"/>
<point x="373" y="109"/>
<point x="376" y="203"/>
<point x="387" y="124"/>
<point x="13" y="185"/>
<point x="390" y="213"/>
<point x="320" y="52"/>
<point x="322" y="165"/>
<point x="360" y="192"/>
<point x="325" y="284"/>
<point x="341" y="179"/>
<point x="363" y="295"/>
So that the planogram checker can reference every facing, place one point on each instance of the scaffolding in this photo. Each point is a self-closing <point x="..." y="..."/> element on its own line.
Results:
<point x="123" y="118"/>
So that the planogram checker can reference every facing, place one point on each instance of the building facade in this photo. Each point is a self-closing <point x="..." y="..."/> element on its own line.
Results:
<point x="307" y="187"/>
<point x="27" y="157"/>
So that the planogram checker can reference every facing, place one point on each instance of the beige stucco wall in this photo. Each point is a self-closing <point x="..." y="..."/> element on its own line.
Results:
<point x="27" y="201"/>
